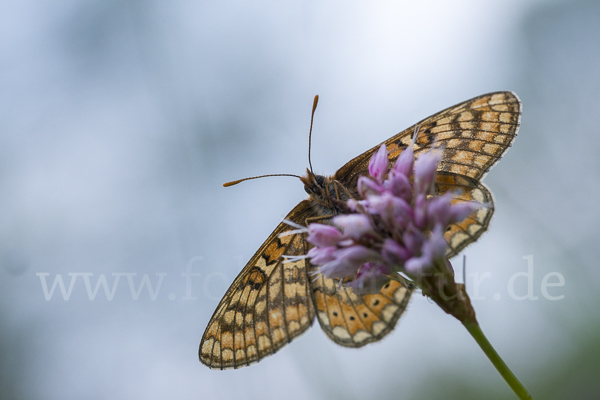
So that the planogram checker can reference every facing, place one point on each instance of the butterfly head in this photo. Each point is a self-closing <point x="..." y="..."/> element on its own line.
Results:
<point x="313" y="184"/>
<point x="324" y="190"/>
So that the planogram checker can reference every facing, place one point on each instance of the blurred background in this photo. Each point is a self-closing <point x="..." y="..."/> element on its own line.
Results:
<point x="120" y="120"/>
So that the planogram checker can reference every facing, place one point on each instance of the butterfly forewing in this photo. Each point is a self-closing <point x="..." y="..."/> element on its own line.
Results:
<point x="267" y="305"/>
<point x="272" y="302"/>
<point x="473" y="136"/>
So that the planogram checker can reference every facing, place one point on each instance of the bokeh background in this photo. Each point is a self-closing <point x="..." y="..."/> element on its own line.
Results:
<point x="120" y="120"/>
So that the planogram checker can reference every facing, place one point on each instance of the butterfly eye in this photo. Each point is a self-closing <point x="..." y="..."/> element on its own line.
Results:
<point x="320" y="180"/>
<point x="312" y="189"/>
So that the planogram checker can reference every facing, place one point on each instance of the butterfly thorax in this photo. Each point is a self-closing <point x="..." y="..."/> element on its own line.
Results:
<point x="327" y="195"/>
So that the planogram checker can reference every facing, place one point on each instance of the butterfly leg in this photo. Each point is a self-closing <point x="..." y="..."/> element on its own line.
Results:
<point x="319" y="218"/>
<point x="346" y="191"/>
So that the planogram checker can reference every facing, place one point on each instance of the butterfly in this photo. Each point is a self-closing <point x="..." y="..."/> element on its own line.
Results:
<point x="272" y="301"/>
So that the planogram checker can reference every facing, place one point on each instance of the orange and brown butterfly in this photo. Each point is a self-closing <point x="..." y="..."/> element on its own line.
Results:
<point x="274" y="299"/>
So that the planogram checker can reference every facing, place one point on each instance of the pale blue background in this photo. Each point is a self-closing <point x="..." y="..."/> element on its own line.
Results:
<point x="120" y="120"/>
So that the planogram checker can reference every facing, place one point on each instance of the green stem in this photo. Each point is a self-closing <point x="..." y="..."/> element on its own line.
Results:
<point x="509" y="377"/>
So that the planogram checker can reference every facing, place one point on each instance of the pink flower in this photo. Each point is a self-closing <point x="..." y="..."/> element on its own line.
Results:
<point x="413" y="240"/>
<point x="353" y="225"/>
<point x="348" y="260"/>
<point x="404" y="163"/>
<point x="370" y="278"/>
<point x="432" y="250"/>
<point x="438" y="209"/>
<point x="389" y="207"/>
<point x="378" y="165"/>
<point x="367" y="186"/>
<point x="322" y="255"/>
<point x="460" y="211"/>
<point x="425" y="171"/>
<point x="396" y="226"/>
<point x="421" y="211"/>
<point x="441" y="211"/>
<point x="323" y="235"/>
<point x="393" y="253"/>
<point x="399" y="185"/>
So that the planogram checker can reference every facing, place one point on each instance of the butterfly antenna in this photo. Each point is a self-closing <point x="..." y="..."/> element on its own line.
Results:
<point x="256" y="177"/>
<point x="312" y="115"/>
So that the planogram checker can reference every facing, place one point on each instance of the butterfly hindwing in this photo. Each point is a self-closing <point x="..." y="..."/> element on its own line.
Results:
<point x="460" y="234"/>
<point x="353" y="320"/>
<point x="267" y="305"/>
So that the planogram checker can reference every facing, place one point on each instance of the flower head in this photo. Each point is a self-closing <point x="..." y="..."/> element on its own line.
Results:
<point x="398" y="225"/>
